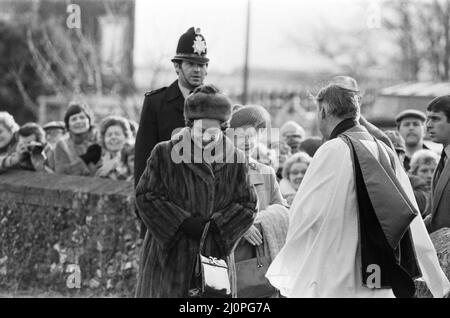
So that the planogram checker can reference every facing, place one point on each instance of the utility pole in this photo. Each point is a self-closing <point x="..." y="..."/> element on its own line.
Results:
<point x="247" y="44"/>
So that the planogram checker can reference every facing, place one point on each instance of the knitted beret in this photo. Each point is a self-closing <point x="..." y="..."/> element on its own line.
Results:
<point x="254" y="115"/>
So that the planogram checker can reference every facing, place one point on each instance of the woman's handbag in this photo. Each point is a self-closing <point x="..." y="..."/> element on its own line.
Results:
<point x="211" y="275"/>
<point x="251" y="275"/>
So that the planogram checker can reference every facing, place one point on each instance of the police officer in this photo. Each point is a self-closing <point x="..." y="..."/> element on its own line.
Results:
<point x="162" y="111"/>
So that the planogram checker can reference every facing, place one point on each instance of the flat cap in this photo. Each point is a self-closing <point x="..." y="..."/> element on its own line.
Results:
<point x="54" y="125"/>
<point x="410" y="113"/>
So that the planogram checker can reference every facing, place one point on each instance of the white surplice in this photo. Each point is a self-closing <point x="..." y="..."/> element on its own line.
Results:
<point x="321" y="257"/>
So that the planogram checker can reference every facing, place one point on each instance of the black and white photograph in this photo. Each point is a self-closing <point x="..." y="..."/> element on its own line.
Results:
<point x="250" y="151"/>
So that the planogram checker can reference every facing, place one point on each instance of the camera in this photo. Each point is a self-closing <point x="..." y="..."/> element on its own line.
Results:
<point x="35" y="148"/>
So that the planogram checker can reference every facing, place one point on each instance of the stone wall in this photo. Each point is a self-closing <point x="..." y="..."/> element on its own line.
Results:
<point x="67" y="234"/>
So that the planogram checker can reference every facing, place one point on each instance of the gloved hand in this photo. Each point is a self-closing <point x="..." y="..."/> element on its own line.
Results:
<point x="93" y="154"/>
<point x="194" y="226"/>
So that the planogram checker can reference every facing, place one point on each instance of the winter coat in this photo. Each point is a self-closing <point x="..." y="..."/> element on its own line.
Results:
<point x="263" y="178"/>
<point x="121" y="170"/>
<point x="67" y="154"/>
<point x="39" y="162"/>
<point x="168" y="193"/>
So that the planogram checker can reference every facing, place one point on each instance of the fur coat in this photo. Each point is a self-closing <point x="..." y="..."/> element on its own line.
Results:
<point x="170" y="192"/>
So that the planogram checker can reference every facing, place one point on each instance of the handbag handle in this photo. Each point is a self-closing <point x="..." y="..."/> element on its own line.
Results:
<point x="260" y="252"/>
<point x="258" y="256"/>
<point x="205" y="232"/>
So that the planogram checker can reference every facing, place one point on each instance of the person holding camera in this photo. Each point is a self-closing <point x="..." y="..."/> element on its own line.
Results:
<point x="78" y="153"/>
<point x="30" y="151"/>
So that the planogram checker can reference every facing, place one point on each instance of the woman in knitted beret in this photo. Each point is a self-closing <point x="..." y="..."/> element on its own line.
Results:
<point x="272" y="221"/>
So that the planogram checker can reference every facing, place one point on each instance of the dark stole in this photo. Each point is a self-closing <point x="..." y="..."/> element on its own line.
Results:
<point x="398" y="267"/>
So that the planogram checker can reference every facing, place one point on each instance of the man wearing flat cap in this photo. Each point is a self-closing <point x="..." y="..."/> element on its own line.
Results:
<point x="411" y="126"/>
<point x="162" y="111"/>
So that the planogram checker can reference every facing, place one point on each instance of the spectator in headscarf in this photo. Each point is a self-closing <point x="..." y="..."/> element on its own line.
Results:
<point x="78" y="153"/>
<point x="115" y="135"/>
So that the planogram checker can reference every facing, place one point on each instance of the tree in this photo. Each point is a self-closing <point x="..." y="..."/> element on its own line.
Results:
<point x="19" y="84"/>
<point x="422" y="33"/>
<point x="403" y="25"/>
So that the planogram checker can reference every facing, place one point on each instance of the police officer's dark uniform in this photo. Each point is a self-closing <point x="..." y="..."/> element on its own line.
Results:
<point x="162" y="111"/>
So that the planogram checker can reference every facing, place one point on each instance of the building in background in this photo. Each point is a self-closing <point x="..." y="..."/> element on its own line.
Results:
<point x="394" y="99"/>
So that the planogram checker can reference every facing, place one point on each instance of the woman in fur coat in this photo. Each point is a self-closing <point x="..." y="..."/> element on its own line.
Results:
<point x="196" y="177"/>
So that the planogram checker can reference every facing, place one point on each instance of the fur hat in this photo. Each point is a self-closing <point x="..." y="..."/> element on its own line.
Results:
<point x="207" y="101"/>
<point x="253" y="115"/>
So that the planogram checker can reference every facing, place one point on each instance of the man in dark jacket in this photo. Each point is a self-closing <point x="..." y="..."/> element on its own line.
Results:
<point x="162" y="112"/>
<point x="438" y="126"/>
<point x="195" y="178"/>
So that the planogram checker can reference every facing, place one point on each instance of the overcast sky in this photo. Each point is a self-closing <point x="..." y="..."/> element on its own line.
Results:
<point x="274" y="26"/>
